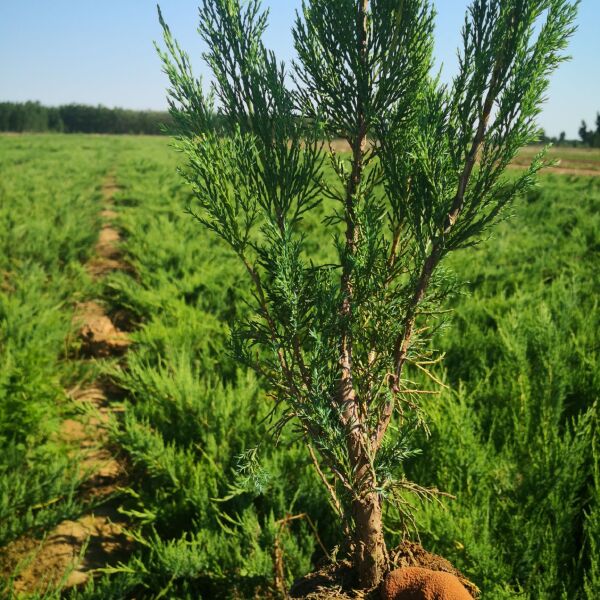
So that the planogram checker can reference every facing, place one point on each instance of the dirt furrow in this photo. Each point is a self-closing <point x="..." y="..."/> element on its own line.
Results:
<point x="96" y="539"/>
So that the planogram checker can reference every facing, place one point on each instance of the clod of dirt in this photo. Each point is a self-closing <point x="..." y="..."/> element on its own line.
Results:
<point x="98" y="267"/>
<point x="416" y="583"/>
<point x="106" y="544"/>
<point x="108" y="243"/>
<point x="107" y="252"/>
<point x="411" y="554"/>
<point x="99" y="336"/>
<point x="103" y="473"/>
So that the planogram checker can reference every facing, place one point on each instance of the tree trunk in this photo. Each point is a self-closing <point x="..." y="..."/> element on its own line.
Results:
<point x="370" y="551"/>
<point x="370" y="555"/>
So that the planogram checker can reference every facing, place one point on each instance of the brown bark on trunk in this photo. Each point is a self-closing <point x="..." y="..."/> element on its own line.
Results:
<point x="370" y="552"/>
<point x="370" y="556"/>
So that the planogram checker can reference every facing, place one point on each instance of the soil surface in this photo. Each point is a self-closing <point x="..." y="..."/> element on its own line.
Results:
<point x="75" y="548"/>
<point x="339" y="580"/>
<point x="411" y="554"/>
<point x="416" y="583"/>
<point x="99" y="336"/>
<point x="558" y="170"/>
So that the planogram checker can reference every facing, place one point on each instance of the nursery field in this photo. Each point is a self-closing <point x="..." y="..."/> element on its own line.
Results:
<point x="133" y="448"/>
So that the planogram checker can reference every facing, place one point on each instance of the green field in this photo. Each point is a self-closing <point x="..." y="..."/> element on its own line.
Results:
<point x="514" y="435"/>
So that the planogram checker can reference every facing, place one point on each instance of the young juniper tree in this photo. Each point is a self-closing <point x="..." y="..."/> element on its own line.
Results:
<point x="424" y="177"/>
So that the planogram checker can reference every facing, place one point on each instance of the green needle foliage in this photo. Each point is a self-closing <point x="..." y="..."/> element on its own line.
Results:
<point x="337" y="338"/>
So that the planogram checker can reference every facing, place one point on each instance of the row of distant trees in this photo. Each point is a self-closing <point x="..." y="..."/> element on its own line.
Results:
<point x="588" y="136"/>
<point x="79" y="118"/>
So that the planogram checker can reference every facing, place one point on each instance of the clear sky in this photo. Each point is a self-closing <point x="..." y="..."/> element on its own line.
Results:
<point x="100" y="52"/>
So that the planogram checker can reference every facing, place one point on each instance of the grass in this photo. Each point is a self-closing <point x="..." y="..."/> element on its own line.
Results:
<point x="514" y="439"/>
<point x="48" y="223"/>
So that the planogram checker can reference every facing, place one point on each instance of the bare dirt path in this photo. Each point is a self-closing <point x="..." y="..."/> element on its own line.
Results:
<point x="96" y="539"/>
<point x="583" y="170"/>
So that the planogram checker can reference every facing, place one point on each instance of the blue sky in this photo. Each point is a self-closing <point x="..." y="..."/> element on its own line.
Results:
<point x="100" y="52"/>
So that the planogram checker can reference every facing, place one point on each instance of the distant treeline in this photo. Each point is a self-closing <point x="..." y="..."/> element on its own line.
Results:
<point x="79" y="118"/>
<point x="588" y="136"/>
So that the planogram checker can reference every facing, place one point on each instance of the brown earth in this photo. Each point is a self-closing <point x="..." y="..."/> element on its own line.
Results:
<point x="558" y="170"/>
<point x="107" y="255"/>
<point x="70" y="552"/>
<point x="338" y="580"/>
<point x="99" y="336"/>
<point x="74" y="549"/>
<point x="411" y="554"/>
<point x="416" y="583"/>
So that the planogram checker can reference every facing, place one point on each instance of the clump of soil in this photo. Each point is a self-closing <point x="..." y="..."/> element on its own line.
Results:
<point x="107" y="255"/>
<point x="98" y="266"/>
<point x="416" y="583"/>
<point x="99" y="336"/>
<point x="338" y="580"/>
<point x="411" y="554"/>
<point x="87" y="434"/>
<point x="61" y="554"/>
